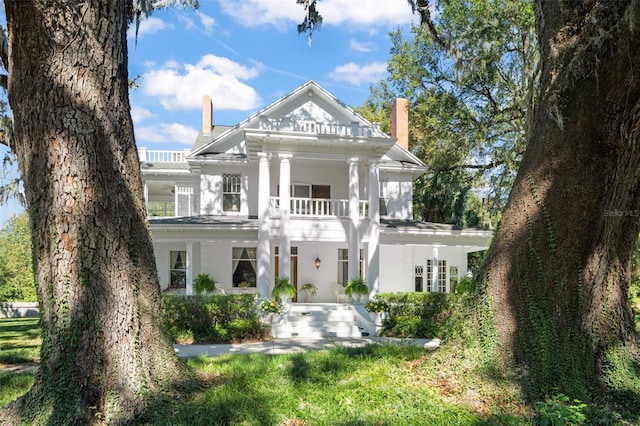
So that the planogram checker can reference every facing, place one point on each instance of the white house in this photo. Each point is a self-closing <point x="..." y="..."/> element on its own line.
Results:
<point x="306" y="189"/>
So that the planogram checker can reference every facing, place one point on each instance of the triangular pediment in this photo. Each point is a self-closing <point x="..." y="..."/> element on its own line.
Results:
<point x="307" y="104"/>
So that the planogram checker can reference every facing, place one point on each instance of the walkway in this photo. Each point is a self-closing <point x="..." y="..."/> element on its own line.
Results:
<point x="295" y="345"/>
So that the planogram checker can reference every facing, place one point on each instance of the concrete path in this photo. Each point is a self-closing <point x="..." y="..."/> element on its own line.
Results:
<point x="271" y="347"/>
<point x="295" y="345"/>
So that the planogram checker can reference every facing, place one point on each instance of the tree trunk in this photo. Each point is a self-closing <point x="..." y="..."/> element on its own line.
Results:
<point x="104" y="346"/>
<point x="558" y="272"/>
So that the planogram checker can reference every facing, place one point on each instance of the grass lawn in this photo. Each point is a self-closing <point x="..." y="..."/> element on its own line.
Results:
<point x="19" y="340"/>
<point x="374" y="385"/>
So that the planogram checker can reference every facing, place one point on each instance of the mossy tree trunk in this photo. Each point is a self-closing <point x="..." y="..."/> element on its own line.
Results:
<point x="104" y="347"/>
<point x="558" y="272"/>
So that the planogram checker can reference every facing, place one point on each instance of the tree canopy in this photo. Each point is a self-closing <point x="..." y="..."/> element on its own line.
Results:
<point x="471" y="77"/>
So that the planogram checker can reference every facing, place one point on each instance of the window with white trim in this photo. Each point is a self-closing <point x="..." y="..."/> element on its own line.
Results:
<point x="384" y="197"/>
<point x="343" y="266"/>
<point x="429" y="275"/>
<point x="419" y="278"/>
<point x="231" y="191"/>
<point x="442" y="276"/>
<point x="453" y="278"/>
<point x="186" y="200"/>
<point x="178" y="269"/>
<point x="244" y="266"/>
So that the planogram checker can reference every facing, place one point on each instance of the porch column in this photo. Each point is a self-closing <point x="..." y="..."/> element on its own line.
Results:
<point x="354" y="219"/>
<point x="146" y="198"/>
<point x="373" y="249"/>
<point x="284" y="252"/>
<point x="434" y="271"/>
<point x="264" y="246"/>
<point x="189" y="265"/>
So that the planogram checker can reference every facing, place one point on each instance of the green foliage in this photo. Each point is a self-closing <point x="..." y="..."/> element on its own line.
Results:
<point x="418" y="315"/>
<point x="356" y="286"/>
<point x="270" y="306"/>
<point x="376" y="305"/>
<point x="372" y="385"/>
<point x="309" y="288"/>
<point x="17" y="282"/>
<point x="471" y="91"/>
<point x="560" y="410"/>
<point x="466" y="285"/>
<point x="212" y="319"/>
<point x="283" y="288"/>
<point x="204" y="283"/>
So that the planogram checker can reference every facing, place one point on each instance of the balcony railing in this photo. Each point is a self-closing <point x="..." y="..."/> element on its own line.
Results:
<point x="318" y="207"/>
<point x="158" y="156"/>
<point x="306" y="126"/>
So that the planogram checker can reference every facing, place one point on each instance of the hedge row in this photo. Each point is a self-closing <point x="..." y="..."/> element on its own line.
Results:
<point x="417" y="315"/>
<point x="213" y="319"/>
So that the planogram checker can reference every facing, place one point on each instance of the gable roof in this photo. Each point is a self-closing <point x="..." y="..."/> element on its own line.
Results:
<point x="308" y="103"/>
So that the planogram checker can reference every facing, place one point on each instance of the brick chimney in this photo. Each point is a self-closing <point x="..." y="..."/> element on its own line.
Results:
<point x="400" y="122"/>
<point x="207" y="114"/>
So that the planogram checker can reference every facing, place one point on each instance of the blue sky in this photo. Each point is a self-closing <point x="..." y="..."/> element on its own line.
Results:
<point x="246" y="54"/>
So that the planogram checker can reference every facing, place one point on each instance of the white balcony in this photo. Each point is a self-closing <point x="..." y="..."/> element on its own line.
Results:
<point x="158" y="156"/>
<point x="306" y="126"/>
<point x="319" y="207"/>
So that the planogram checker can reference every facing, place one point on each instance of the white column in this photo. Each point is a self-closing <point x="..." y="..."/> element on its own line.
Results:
<point x="264" y="245"/>
<point x="284" y="253"/>
<point x="354" y="219"/>
<point x="146" y="198"/>
<point x="373" y="249"/>
<point x="434" y="271"/>
<point x="189" y="265"/>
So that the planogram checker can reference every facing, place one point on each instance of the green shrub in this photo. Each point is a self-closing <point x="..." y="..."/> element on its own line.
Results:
<point x="559" y="410"/>
<point x="283" y="288"/>
<point x="356" y="286"/>
<point x="204" y="283"/>
<point x="417" y="315"/>
<point x="212" y="319"/>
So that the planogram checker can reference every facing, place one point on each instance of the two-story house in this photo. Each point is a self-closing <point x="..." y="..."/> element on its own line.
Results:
<point x="307" y="189"/>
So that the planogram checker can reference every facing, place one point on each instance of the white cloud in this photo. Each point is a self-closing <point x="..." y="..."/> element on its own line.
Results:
<point x="166" y="133"/>
<point x="148" y="25"/>
<point x="207" y="22"/>
<point x="284" y="13"/>
<point x="367" y="46"/>
<point x="254" y="13"/>
<point x="360" y="74"/>
<point x="181" y="86"/>
<point x="139" y="114"/>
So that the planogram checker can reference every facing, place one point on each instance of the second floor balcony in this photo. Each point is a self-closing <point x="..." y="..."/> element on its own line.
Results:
<point x="319" y="207"/>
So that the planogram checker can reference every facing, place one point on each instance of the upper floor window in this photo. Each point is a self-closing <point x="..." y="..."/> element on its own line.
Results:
<point x="231" y="190"/>
<point x="384" y="196"/>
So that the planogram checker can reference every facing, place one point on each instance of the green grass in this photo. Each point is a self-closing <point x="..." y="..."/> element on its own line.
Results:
<point x="19" y="340"/>
<point x="374" y="385"/>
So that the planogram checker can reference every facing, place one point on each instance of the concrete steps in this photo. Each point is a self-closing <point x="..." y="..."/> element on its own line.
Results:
<point x="317" y="320"/>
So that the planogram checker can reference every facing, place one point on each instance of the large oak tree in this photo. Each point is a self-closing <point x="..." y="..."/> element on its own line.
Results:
<point x="104" y="350"/>
<point x="556" y="281"/>
<point x="558" y="273"/>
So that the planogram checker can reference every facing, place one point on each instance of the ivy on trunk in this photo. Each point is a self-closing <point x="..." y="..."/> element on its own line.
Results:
<point x="105" y="350"/>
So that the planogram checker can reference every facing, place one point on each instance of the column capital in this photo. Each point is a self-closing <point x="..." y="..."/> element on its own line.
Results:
<point x="264" y="156"/>
<point x="283" y="157"/>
